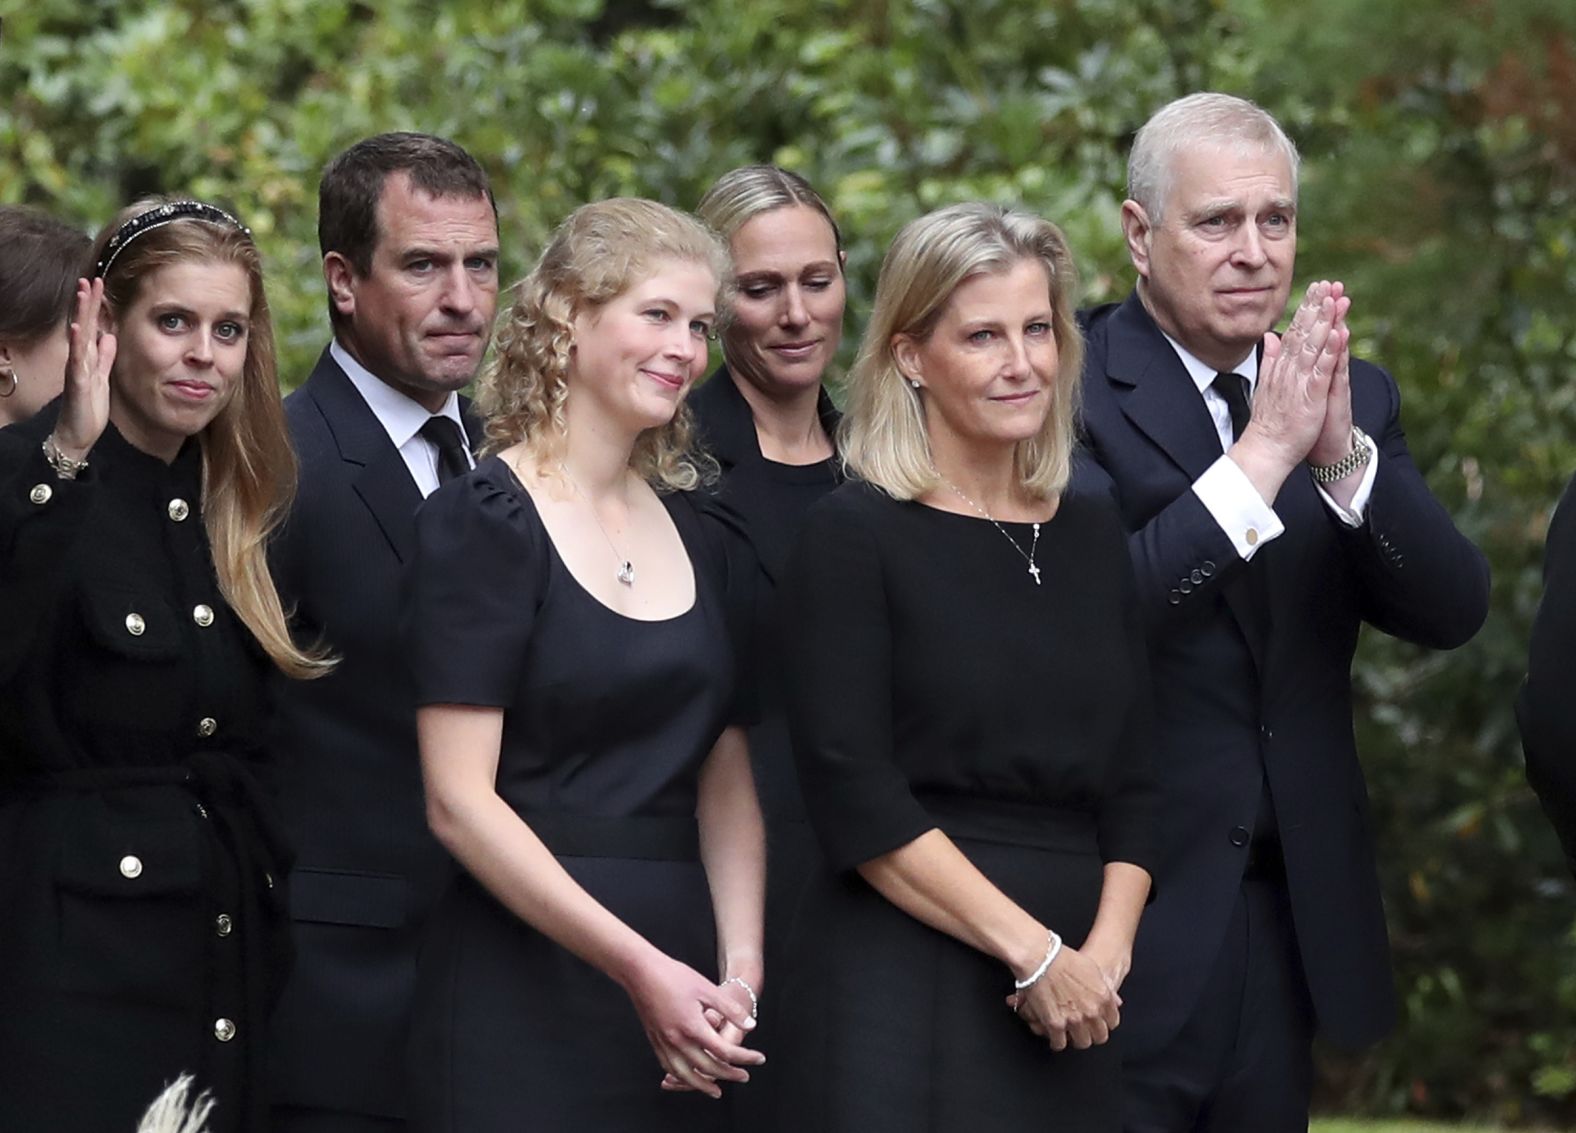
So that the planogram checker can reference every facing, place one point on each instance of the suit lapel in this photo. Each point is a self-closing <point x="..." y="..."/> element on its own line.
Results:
<point x="1155" y="392"/>
<point x="378" y="472"/>
<point x="1159" y="398"/>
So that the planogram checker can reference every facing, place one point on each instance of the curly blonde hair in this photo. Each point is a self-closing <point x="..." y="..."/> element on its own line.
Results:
<point x="596" y="254"/>
<point x="883" y="437"/>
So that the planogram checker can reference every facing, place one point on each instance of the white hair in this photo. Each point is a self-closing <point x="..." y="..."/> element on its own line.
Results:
<point x="1206" y="118"/>
<point x="173" y="1112"/>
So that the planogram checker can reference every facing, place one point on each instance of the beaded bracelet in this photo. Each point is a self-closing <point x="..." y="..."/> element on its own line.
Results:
<point x="755" y="1004"/>
<point x="1053" y="948"/>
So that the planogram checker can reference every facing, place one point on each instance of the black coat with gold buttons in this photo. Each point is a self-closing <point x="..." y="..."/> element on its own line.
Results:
<point x="140" y="891"/>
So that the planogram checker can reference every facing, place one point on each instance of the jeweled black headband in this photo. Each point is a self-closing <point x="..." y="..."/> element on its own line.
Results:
<point x="157" y="218"/>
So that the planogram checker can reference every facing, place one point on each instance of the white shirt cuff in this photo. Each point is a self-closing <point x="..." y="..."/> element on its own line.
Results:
<point x="1230" y="497"/>
<point x="1353" y="516"/>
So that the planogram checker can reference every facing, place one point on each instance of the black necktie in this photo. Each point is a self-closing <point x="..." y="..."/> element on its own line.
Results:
<point x="1234" y="388"/>
<point x="444" y="435"/>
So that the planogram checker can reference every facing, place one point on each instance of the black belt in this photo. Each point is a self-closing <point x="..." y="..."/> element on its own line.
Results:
<point x="647" y="837"/>
<point x="1005" y="822"/>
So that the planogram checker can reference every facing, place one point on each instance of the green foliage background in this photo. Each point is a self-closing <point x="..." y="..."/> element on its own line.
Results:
<point x="1439" y="183"/>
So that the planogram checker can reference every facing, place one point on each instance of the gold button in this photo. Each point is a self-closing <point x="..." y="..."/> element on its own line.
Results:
<point x="41" y="493"/>
<point x="203" y="615"/>
<point x="179" y="509"/>
<point x="131" y="867"/>
<point x="135" y="625"/>
<point x="1252" y="537"/>
<point x="222" y="924"/>
<point x="223" y="1030"/>
<point x="207" y="726"/>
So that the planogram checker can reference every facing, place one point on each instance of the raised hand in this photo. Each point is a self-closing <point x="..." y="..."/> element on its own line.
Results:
<point x="1072" y="1004"/>
<point x="84" y="410"/>
<point x="1291" y="399"/>
<point x="1335" y="439"/>
<point x="673" y="1001"/>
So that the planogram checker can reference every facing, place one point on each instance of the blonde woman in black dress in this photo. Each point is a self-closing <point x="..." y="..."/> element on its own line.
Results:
<point x="568" y="623"/>
<point x="968" y="701"/>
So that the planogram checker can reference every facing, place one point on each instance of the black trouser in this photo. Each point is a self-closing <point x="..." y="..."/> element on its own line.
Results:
<point x="1243" y="1061"/>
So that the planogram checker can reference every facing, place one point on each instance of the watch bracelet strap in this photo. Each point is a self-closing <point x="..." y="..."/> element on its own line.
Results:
<point x="1351" y="462"/>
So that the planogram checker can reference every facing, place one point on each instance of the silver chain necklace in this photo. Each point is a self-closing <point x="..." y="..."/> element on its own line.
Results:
<point x="1034" y="545"/>
<point x="626" y="569"/>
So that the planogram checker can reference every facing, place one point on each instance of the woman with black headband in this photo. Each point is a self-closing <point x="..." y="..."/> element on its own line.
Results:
<point x="140" y="872"/>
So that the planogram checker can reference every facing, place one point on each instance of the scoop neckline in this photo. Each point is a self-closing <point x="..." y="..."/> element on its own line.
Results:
<point x="518" y="488"/>
<point x="987" y="521"/>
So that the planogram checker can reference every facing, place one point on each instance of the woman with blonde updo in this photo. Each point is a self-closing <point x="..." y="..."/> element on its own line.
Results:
<point x="141" y="873"/>
<point x="767" y="418"/>
<point x="568" y="625"/>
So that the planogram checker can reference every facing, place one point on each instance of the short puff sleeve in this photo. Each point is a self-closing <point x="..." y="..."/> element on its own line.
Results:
<point x="472" y="590"/>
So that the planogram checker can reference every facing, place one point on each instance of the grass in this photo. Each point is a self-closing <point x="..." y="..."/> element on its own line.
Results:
<point x="1353" y="1125"/>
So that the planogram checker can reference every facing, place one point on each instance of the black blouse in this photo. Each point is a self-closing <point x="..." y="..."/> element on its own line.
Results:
<point x="605" y="715"/>
<point x="929" y="673"/>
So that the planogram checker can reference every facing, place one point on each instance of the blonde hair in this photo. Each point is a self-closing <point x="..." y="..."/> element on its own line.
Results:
<point x="740" y="195"/>
<point x="249" y="468"/>
<point x="883" y="436"/>
<point x="596" y="254"/>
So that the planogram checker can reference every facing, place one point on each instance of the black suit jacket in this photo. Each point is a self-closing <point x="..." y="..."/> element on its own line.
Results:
<point x="1546" y="708"/>
<point x="1252" y="675"/>
<point x="349" y="778"/>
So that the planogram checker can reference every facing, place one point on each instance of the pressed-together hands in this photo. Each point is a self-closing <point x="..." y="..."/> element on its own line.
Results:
<point x="84" y="410"/>
<point x="695" y="1027"/>
<point x="1302" y="404"/>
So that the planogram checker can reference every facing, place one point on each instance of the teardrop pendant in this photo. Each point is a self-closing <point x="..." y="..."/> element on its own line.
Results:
<point x="626" y="573"/>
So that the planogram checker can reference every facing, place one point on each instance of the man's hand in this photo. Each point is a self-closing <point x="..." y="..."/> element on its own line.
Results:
<point x="1291" y="399"/>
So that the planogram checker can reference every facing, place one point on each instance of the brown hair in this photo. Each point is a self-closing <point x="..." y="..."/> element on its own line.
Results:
<point x="249" y="468"/>
<point x="38" y="273"/>
<point x="597" y="254"/>
<point x="352" y="185"/>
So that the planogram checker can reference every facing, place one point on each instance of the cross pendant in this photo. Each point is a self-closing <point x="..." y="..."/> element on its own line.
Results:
<point x="1035" y="571"/>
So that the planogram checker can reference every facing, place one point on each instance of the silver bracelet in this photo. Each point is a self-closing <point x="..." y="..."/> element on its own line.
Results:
<point x="65" y="468"/>
<point x="1351" y="462"/>
<point x="755" y="1004"/>
<point x="1053" y="948"/>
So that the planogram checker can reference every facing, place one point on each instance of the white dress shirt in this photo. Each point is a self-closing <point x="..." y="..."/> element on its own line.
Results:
<point x="1225" y="490"/>
<point x="403" y="418"/>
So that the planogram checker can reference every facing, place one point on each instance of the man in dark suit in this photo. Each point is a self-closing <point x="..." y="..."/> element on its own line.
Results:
<point x="409" y="236"/>
<point x="1545" y="708"/>
<point x="1273" y="507"/>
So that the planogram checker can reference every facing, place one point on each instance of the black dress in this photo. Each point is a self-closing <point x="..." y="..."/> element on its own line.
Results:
<point x="141" y="893"/>
<point x="771" y="500"/>
<point x="934" y="684"/>
<point x="607" y="720"/>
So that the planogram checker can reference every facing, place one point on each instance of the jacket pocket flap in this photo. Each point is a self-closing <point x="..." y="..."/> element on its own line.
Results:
<point x="140" y="626"/>
<point x="335" y="896"/>
<point x="132" y="859"/>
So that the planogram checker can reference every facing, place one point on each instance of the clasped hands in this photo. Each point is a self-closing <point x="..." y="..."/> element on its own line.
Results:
<point x="696" y="1028"/>
<point x="1076" y="1002"/>
<point x="1302" y="402"/>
